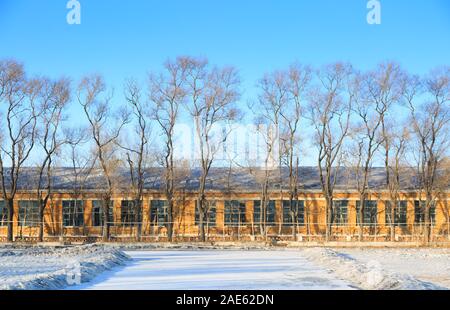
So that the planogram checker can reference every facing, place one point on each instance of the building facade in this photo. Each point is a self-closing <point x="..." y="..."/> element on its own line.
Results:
<point x="236" y="217"/>
<point x="232" y="215"/>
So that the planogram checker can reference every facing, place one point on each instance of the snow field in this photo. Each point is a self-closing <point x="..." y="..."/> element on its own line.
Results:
<point x="193" y="267"/>
<point x="217" y="270"/>
<point x="370" y="272"/>
<point x="39" y="268"/>
<point x="430" y="265"/>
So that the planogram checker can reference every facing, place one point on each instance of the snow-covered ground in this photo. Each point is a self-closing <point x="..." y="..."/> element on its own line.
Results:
<point x="428" y="265"/>
<point x="217" y="269"/>
<point x="54" y="268"/>
<point x="369" y="271"/>
<point x="192" y="268"/>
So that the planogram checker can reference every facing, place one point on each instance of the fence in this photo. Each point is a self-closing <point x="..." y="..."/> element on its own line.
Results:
<point x="151" y="232"/>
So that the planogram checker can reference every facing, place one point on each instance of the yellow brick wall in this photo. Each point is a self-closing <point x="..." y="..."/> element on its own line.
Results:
<point x="315" y="215"/>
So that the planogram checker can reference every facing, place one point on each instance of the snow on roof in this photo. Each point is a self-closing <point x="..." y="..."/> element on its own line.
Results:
<point x="219" y="179"/>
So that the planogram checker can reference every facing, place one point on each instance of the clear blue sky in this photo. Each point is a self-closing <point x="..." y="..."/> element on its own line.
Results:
<point x="127" y="38"/>
<point x="123" y="39"/>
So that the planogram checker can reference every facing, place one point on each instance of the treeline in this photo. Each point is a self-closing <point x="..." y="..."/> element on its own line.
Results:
<point x="357" y="118"/>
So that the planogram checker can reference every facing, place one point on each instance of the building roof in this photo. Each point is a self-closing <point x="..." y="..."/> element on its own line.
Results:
<point x="219" y="179"/>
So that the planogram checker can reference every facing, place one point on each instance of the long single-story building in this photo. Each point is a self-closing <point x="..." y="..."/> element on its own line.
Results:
<point x="234" y="200"/>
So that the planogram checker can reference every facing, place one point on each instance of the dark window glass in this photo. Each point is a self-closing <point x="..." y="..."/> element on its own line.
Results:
<point x="369" y="214"/>
<point x="234" y="213"/>
<point x="340" y="212"/>
<point x="419" y="212"/>
<point x="128" y="212"/>
<point x="3" y="213"/>
<point x="210" y="215"/>
<point x="73" y="213"/>
<point x="97" y="213"/>
<point x="29" y="213"/>
<point x="270" y="212"/>
<point x="293" y="214"/>
<point x="400" y="213"/>
<point x="158" y="212"/>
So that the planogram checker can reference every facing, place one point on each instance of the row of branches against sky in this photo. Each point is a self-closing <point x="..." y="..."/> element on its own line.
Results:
<point x="383" y="117"/>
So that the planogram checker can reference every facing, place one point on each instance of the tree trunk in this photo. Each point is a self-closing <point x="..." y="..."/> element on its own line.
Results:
<point x="393" y="223"/>
<point x="41" y="222"/>
<point x="106" y="206"/>
<point x="329" y="220"/>
<point x="170" y="221"/>
<point x="10" y="205"/>
<point x="427" y="224"/>
<point x="201" y="207"/>
<point x="201" y="225"/>
<point x="361" y="219"/>
<point x="138" y="219"/>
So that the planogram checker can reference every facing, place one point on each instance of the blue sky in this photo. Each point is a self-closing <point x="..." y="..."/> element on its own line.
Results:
<point x="122" y="39"/>
<point x="128" y="38"/>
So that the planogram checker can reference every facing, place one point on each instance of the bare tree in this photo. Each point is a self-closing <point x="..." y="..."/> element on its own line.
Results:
<point x="330" y="107"/>
<point x="428" y="100"/>
<point x="98" y="113"/>
<point x="55" y="95"/>
<point x="18" y="136"/>
<point x="298" y="80"/>
<point x="167" y="93"/>
<point x="385" y="88"/>
<point x="137" y="154"/>
<point x="397" y="143"/>
<point x="213" y="94"/>
<point x="264" y="176"/>
<point x="80" y="161"/>
<point x="368" y="140"/>
<point x="273" y="96"/>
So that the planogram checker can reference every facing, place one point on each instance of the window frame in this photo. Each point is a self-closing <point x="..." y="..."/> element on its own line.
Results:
<point x="158" y="205"/>
<point x="211" y="216"/>
<point x="34" y="221"/>
<point x="127" y="218"/>
<point x="419" y="217"/>
<point x="3" y="214"/>
<point x="271" y="212"/>
<point x="74" y="217"/>
<point x="371" y="214"/>
<point x="401" y="213"/>
<point x="232" y="218"/>
<point x="286" y="211"/>
<point x="338" y="207"/>
<point x="99" y="213"/>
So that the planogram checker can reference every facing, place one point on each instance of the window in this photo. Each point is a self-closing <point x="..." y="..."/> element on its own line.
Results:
<point x="270" y="212"/>
<point x="369" y="213"/>
<point x="400" y="213"/>
<point x="234" y="213"/>
<point x="158" y="212"/>
<point x="293" y="214"/>
<point x="3" y="213"/>
<point x="97" y="213"/>
<point x="419" y="212"/>
<point x="29" y="213"/>
<point x="73" y="213"/>
<point x="128" y="213"/>
<point x="340" y="212"/>
<point x="210" y="216"/>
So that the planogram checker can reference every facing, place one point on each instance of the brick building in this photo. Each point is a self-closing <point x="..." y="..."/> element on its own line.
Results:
<point x="234" y="202"/>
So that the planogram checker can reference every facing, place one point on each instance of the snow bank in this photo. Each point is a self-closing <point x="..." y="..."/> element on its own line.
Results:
<point x="426" y="264"/>
<point x="369" y="275"/>
<point x="41" y="268"/>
